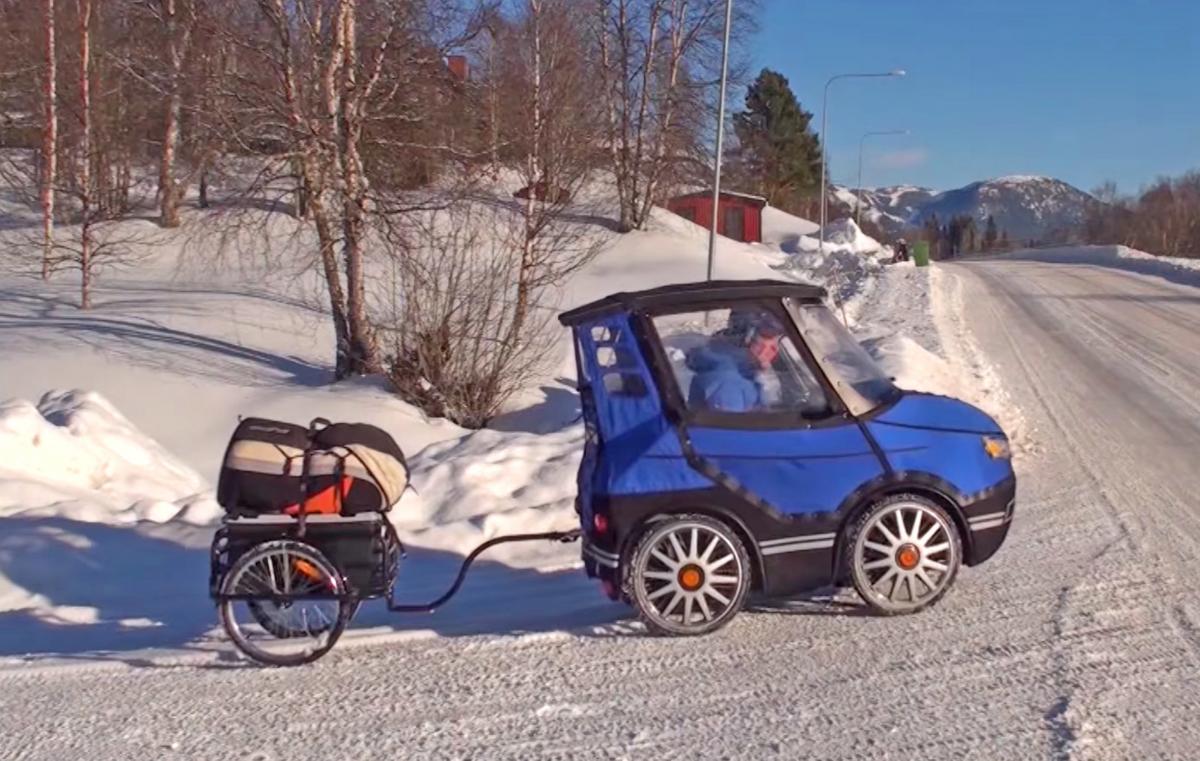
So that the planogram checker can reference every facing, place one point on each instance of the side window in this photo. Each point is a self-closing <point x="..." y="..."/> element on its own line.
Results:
<point x="739" y="360"/>
<point x="617" y="363"/>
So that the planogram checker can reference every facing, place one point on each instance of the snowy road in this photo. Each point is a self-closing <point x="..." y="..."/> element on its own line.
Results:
<point x="1080" y="639"/>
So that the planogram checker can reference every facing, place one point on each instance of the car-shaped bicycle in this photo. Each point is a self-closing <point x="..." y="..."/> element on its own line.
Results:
<point x="739" y="439"/>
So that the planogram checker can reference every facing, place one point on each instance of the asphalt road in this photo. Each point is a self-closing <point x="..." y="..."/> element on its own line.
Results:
<point x="1080" y="639"/>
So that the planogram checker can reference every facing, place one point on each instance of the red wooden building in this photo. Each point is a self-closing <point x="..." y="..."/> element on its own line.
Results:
<point x="740" y="214"/>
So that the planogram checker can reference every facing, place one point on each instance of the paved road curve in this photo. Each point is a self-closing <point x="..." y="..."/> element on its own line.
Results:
<point x="1081" y="639"/>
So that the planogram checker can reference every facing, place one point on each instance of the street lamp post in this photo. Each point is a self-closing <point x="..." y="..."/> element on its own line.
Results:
<point x="862" y="141"/>
<point x="716" y="197"/>
<point x="825" y="139"/>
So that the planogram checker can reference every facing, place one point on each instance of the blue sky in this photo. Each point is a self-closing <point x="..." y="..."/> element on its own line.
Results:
<point x="1083" y="90"/>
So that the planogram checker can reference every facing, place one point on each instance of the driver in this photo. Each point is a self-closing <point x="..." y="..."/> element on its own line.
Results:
<point x="729" y="371"/>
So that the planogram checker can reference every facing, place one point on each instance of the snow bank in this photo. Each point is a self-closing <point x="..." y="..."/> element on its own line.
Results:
<point x="915" y="328"/>
<point x="491" y="483"/>
<point x="794" y="235"/>
<point x="73" y="455"/>
<point x="1175" y="269"/>
<point x="784" y="230"/>
<point x="847" y="268"/>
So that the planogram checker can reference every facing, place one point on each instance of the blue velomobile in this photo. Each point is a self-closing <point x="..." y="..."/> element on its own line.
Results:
<point x="739" y="438"/>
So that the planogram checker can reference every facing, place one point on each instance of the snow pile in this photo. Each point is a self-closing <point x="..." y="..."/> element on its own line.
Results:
<point x="784" y="230"/>
<point x="845" y="234"/>
<point x="795" y="235"/>
<point x="914" y="367"/>
<point x="849" y="265"/>
<point x="915" y="328"/>
<point x="491" y="483"/>
<point x="73" y="455"/>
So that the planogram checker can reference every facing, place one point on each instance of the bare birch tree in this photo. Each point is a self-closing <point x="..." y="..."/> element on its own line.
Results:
<point x="178" y="20"/>
<point x="84" y="160"/>
<point x="658" y="62"/>
<point x="49" y="137"/>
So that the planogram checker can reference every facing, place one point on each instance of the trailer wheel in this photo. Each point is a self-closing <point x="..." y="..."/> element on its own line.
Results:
<point x="286" y="632"/>
<point x="904" y="553"/>
<point x="687" y="575"/>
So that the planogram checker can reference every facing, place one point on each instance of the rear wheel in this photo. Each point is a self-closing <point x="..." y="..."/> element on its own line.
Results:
<point x="904" y="554"/>
<point x="284" y="632"/>
<point x="687" y="575"/>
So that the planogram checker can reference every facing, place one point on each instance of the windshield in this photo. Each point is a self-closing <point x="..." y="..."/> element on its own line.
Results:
<point x="860" y="381"/>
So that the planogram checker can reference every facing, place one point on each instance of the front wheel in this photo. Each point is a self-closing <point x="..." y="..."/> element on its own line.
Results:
<point x="905" y="552"/>
<point x="687" y="575"/>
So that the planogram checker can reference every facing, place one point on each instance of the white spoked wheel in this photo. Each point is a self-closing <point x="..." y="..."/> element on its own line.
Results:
<point x="284" y="632"/>
<point x="904" y="554"/>
<point x="687" y="575"/>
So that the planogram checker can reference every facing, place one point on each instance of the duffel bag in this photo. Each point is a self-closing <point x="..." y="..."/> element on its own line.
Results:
<point x="354" y="468"/>
<point x="261" y="469"/>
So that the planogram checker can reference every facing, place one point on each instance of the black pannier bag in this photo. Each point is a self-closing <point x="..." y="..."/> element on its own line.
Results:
<point x="354" y="468"/>
<point x="261" y="469"/>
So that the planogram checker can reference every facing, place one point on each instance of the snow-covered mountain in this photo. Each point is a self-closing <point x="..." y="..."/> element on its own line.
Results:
<point x="1026" y="207"/>
<point x="890" y="208"/>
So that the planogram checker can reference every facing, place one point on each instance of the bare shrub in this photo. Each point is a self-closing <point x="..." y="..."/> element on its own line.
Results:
<point x="1164" y="219"/>
<point x="474" y="304"/>
<point x="457" y="351"/>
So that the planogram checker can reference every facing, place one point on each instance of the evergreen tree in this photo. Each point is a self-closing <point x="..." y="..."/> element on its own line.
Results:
<point x="1004" y="243"/>
<point x="933" y="234"/>
<point x="777" y="153"/>
<point x="990" y="235"/>
<point x="970" y="236"/>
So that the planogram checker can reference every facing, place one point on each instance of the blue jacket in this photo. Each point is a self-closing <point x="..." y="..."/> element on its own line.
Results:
<point x="723" y="379"/>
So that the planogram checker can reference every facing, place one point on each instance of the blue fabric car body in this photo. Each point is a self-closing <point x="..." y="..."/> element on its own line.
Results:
<point x="789" y="480"/>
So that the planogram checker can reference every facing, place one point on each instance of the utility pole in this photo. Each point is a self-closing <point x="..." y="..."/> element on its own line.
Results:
<point x="716" y="195"/>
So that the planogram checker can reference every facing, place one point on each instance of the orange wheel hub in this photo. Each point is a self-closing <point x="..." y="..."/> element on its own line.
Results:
<point x="691" y="578"/>
<point x="907" y="557"/>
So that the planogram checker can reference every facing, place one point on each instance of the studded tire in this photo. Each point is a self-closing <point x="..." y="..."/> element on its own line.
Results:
<point x="687" y="575"/>
<point x="903" y="554"/>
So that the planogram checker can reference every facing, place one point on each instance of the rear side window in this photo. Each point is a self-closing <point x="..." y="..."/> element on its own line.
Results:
<point x="617" y="362"/>
<point x="739" y="360"/>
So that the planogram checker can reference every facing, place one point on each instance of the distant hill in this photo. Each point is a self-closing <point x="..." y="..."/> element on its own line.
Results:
<point x="1026" y="207"/>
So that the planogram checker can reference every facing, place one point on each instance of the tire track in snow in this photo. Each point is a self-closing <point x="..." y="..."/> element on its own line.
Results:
<point x="1131" y="580"/>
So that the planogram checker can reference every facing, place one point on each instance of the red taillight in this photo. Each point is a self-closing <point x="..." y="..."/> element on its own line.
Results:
<point x="600" y="523"/>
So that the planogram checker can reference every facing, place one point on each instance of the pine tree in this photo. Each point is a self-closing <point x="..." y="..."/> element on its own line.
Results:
<point x="933" y="234"/>
<point x="970" y="236"/>
<point x="990" y="235"/>
<point x="777" y="153"/>
<point x="1004" y="243"/>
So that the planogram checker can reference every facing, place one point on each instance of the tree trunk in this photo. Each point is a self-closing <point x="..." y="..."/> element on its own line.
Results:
<point x="678" y="14"/>
<point x="85" y="158"/>
<point x="178" y="37"/>
<point x="364" y="354"/>
<point x="333" y="283"/>
<point x="49" y="173"/>
<point x="534" y="172"/>
<point x="203" y="200"/>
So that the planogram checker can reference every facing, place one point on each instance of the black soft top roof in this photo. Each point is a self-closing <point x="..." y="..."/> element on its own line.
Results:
<point x="682" y="294"/>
